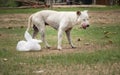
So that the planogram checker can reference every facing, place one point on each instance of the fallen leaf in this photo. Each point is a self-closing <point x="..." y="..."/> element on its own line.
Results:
<point x="110" y="42"/>
<point x="21" y="27"/>
<point x="10" y="27"/>
<point x="106" y="36"/>
<point x="78" y="39"/>
<point x="106" y="32"/>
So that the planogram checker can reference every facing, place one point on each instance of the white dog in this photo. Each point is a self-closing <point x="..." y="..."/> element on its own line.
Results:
<point x="61" y="21"/>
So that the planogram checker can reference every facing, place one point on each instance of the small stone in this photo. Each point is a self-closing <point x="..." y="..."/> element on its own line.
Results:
<point x="22" y="63"/>
<point x="5" y="59"/>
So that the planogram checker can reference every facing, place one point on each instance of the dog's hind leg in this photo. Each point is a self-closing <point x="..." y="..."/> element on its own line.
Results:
<point x="35" y="31"/>
<point x="43" y="37"/>
<point x="41" y="28"/>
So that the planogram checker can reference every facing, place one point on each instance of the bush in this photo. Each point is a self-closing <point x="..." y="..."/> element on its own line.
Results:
<point x="8" y="3"/>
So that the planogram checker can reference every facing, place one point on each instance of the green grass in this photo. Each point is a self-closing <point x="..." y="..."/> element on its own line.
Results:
<point x="105" y="57"/>
<point x="100" y="56"/>
<point x="32" y="10"/>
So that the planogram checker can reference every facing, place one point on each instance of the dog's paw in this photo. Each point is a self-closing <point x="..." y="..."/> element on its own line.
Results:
<point x="59" y="48"/>
<point x="48" y="47"/>
<point x="74" y="47"/>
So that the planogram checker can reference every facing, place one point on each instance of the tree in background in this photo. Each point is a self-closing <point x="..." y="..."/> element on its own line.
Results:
<point x="114" y="2"/>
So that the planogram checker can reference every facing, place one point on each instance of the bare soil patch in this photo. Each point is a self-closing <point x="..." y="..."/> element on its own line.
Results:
<point x="105" y="17"/>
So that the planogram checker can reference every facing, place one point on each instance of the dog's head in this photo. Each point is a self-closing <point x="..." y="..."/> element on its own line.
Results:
<point x="83" y="18"/>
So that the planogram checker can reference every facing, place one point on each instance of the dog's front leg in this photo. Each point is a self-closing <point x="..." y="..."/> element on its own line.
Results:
<point x="69" y="37"/>
<point x="59" y="38"/>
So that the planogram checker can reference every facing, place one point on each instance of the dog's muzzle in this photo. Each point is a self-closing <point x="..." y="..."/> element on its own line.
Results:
<point x="84" y="26"/>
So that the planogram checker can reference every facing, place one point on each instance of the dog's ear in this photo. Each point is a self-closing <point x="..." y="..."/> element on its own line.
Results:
<point x="78" y="13"/>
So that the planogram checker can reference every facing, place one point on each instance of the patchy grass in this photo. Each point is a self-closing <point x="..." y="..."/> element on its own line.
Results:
<point x="100" y="56"/>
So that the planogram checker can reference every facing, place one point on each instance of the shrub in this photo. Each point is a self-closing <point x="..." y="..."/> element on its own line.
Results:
<point x="8" y="3"/>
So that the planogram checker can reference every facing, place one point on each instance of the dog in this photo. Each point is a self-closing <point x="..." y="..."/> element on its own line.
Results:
<point x="62" y="21"/>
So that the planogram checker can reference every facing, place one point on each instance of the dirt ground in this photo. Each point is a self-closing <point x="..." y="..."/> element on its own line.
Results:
<point x="102" y="17"/>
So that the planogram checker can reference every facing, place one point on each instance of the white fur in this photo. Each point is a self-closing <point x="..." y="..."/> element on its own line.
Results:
<point x="61" y="21"/>
<point x="28" y="44"/>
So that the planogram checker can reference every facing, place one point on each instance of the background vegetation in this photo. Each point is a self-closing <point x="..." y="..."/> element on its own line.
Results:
<point x="8" y="3"/>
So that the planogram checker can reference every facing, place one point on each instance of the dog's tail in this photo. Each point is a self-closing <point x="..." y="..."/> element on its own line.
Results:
<point x="29" y="23"/>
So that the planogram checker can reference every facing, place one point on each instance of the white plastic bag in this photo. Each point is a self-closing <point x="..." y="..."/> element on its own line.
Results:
<point x="29" y="44"/>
